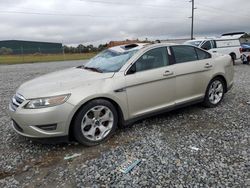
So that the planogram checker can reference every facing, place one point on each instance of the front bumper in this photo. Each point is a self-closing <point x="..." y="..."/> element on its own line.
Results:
<point x="42" y="123"/>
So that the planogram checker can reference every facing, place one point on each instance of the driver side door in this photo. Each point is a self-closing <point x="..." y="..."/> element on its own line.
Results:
<point x="150" y="83"/>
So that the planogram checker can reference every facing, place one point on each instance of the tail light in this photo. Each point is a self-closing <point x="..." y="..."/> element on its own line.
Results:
<point x="241" y="50"/>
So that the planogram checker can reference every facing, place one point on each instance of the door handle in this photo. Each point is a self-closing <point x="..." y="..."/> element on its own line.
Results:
<point x="207" y="66"/>
<point x="214" y="51"/>
<point x="168" y="73"/>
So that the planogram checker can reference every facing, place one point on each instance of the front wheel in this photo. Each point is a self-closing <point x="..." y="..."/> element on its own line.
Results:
<point x="214" y="93"/>
<point x="95" y="122"/>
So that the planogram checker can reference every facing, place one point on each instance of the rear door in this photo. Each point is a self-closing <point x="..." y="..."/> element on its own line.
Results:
<point x="192" y="69"/>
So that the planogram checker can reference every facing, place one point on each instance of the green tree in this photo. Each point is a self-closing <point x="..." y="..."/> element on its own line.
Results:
<point x="102" y="47"/>
<point x="5" y="51"/>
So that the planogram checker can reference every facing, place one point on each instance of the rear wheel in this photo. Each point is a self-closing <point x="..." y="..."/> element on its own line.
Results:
<point x="95" y="122"/>
<point x="215" y="93"/>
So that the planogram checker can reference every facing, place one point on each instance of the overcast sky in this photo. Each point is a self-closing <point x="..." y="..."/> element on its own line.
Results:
<point x="99" y="21"/>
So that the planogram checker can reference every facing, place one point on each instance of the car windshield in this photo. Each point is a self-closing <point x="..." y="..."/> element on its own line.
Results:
<point x="109" y="61"/>
<point x="194" y="43"/>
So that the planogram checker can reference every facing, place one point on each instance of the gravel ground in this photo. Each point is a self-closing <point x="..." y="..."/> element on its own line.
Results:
<point x="189" y="147"/>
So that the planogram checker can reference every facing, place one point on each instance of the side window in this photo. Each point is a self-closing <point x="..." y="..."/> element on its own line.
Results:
<point x="184" y="54"/>
<point x="206" y="45"/>
<point x="152" y="59"/>
<point x="213" y="44"/>
<point x="202" y="54"/>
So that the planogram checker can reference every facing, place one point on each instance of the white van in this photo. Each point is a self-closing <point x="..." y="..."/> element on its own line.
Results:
<point x="230" y="46"/>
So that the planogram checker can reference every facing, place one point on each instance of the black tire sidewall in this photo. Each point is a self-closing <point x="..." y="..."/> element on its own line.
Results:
<point x="207" y="102"/>
<point x="79" y="116"/>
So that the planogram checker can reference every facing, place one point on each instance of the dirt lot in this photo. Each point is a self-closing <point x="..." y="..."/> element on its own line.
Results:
<point x="190" y="147"/>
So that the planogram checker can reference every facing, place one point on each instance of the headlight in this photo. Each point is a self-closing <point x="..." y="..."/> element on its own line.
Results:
<point x="46" y="102"/>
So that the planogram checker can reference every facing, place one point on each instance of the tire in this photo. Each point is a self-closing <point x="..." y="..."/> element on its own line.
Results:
<point x="95" y="122"/>
<point x="214" y="97"/>
<point x="233" y="56"/>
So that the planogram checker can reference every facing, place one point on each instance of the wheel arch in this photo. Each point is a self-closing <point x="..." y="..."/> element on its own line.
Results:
<point x="116" y="105"/>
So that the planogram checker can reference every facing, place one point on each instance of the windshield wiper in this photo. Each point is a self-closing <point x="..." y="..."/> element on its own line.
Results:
<point x="93" y="69"/>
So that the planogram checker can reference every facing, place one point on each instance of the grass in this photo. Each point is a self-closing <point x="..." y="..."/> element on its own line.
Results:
<point x="19" y="59"/>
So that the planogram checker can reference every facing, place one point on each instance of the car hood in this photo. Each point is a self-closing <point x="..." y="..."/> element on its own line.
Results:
<point x="60" y="82"/>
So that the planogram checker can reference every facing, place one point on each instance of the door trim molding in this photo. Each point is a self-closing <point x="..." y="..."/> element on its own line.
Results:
<point x="165" y="110"/>
<point x="148" y="82"/>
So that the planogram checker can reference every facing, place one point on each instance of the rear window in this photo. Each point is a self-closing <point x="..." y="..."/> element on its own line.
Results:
<point x="202" y="54"/>
<point x="184" y="54"/>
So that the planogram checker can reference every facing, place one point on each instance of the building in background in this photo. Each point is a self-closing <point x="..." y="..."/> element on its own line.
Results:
<point x="31" y="47"/>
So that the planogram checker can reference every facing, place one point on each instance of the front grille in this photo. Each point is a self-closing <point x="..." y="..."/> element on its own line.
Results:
<point x="16" y="101"/>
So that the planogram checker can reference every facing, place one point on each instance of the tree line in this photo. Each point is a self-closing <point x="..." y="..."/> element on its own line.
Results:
<point x="84" y="49"/>
<point x="5" y="51"/>
<point x="67" y="49"/>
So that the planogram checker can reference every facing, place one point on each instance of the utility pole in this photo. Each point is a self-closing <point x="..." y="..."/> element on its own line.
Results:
<point x="192" y="23"/>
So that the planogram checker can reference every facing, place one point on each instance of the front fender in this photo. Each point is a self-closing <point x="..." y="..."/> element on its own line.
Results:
<point x="81" y="96"/>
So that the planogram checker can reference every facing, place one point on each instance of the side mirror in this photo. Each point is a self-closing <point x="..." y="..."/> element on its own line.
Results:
<point x="132" y="69"/>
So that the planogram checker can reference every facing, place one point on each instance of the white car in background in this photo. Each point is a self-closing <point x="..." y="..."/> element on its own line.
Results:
<point x="229" y="46"/>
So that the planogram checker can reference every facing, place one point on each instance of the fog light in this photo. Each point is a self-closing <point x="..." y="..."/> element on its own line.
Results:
<point x="50" y="127"/>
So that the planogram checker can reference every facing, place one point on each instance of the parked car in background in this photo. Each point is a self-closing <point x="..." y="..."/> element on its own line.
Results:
<point x="245" y="53"/>
<point x="221" y="45"/>
<point x="117" y="87"/>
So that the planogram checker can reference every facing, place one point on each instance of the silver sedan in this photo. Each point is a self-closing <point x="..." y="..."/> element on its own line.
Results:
<point x="117" y="87"/>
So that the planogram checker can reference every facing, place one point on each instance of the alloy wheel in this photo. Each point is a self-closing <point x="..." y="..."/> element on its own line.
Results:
<point x="216" y="91"/>
<point x="97" y="123"/>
